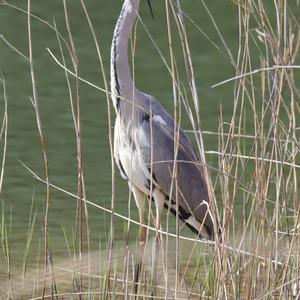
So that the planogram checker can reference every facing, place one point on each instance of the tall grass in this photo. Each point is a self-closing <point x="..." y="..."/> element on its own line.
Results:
<point x="256" y="168"/>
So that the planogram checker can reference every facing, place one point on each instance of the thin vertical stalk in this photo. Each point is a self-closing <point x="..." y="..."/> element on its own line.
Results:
<point x="3" y="230"/>
<point x="3" y="131"/>
<point x="110" y="135"/>
<point x="81" y="187"/>
<point x="176" y="128"/>
<point x="43" y="144"/>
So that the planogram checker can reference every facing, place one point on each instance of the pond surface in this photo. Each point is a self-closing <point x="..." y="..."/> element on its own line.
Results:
<point x="20" y="190"/>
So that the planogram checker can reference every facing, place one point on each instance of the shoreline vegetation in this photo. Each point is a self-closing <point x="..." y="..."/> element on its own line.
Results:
<point x="257" y="166"/>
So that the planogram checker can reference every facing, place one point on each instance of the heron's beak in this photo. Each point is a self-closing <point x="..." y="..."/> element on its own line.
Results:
<point x="150" y="7"/>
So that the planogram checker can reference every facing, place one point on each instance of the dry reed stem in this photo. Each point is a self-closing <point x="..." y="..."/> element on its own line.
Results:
<point x="42" y="141"/>
<point x="3" y="132"/>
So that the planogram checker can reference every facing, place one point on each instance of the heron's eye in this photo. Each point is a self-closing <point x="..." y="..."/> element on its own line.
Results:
<point x="146" y="118"/>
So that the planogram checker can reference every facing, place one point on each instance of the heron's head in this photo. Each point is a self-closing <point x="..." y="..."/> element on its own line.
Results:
<point x="150" y="7"/>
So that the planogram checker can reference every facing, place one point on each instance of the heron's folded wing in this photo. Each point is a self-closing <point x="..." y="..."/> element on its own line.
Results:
<point x="191" y="192"/>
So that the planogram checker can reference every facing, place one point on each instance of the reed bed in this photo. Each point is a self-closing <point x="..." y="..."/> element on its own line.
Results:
<point x="254" y="166"/>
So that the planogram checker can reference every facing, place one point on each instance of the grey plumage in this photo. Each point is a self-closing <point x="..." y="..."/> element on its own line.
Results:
<point x="144" y="146"/>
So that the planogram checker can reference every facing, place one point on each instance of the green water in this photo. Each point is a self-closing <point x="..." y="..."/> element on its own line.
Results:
<point x="151" y="76"/>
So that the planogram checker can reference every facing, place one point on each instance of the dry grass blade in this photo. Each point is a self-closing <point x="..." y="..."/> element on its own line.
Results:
<point x="3" y="132"/>
<point x="42" y="140"/>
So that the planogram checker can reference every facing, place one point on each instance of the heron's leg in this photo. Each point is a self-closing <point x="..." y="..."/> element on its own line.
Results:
<point x="159" y="199"/>
<point x="140" y="202"/>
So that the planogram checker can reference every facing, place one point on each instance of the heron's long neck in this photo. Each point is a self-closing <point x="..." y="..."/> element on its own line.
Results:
<point x="121" y="79"/>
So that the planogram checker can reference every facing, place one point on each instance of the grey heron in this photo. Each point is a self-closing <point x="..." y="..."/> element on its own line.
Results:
<point x="145" y="149"/>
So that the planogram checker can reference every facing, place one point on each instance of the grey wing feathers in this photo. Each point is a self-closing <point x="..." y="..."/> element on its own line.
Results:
<point x="158" y="110"/>
<point x="192" y="195"/>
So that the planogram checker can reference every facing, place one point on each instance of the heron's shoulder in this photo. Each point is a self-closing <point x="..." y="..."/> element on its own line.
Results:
<point x="156" y="110"/>
<point x="163" y="126"/>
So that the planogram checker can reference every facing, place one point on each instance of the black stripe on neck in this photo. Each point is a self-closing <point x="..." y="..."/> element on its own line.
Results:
<point x="116" y="35"/>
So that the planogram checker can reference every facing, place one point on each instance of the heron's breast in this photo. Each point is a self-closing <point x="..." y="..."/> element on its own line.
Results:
<point x="131" y="164"/>
<point x="128" y="159"/>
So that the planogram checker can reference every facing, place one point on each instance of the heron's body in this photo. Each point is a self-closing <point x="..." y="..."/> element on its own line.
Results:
<point x="144" y="146"/>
